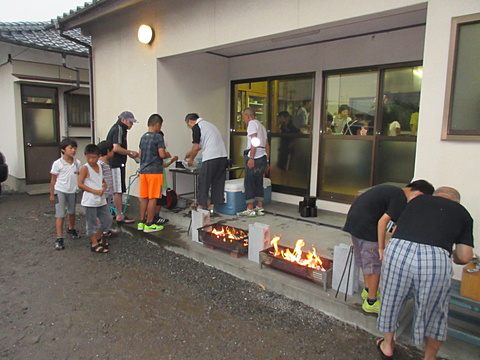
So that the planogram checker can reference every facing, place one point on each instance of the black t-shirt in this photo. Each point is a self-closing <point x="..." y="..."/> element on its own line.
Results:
<point x="118" y="135"/>
<point x="365" y="212"/>
<point x="435" y="221"/>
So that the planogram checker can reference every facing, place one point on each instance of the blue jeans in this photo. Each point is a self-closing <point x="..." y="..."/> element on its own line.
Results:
<point x="254" y="180"/>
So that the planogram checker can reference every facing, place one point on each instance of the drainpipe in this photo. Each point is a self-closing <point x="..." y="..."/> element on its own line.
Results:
<point x="9" y="60"/>
<point x="90" y="65"/>
<point x="76" y="87"/>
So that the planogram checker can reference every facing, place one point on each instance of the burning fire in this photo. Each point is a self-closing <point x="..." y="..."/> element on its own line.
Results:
<point x="230" y="234"/>
<point x="311" y="259"/>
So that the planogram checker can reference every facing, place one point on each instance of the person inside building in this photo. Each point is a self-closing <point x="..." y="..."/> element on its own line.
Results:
<point x="417" y="262"/>
<point x="287" y="141"/>
<point x="341" y="119"/>
<point x="300" y="121"/>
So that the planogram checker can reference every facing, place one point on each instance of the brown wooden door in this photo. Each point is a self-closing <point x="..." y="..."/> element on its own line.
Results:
<point x="40" y="131"/>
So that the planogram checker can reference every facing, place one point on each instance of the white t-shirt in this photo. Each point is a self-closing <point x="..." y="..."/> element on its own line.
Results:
<point x="392" y="128"/>
<point x="256" y="127"/>
<point x="67" y="175"/>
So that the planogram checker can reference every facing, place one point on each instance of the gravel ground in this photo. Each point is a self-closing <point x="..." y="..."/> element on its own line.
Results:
<point x="141" y="301"/>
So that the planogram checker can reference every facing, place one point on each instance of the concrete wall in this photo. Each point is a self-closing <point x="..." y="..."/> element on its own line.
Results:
<point x="187" y="26"/>
<point x="450" y="163"/>
<point x="10" y="140"/>
<point x="125" y="73"/>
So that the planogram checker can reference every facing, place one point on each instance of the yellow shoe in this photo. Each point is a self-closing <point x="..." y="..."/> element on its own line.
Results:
<point x="373" y="309"/>
<point x="364" y="294"/>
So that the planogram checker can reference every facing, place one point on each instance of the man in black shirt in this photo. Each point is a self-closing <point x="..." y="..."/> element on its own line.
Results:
<point x="417" y="262"/>
<point x="118" y="136"/>
<point x="367" y="222"/>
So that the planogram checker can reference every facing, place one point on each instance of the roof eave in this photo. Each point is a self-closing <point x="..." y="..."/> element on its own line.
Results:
<point x="91" y="13"/>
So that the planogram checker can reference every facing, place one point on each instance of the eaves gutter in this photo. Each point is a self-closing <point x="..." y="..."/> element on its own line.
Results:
<point x="44" y="48"/>
<point x="90" y="13"/>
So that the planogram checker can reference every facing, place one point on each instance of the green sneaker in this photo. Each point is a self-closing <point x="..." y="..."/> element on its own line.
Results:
<point x="373" y="309"/>
<point x="259" y="211"/>
<point x="152" y="228"/>
<point x="247" y="212"/>
<point x="364" y="294"/>
<point x="140" y="226"/>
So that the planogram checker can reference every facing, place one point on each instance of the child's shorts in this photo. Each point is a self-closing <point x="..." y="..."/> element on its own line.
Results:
<point x="64" y="201"/>
<point x="150" y="186"/>
<point x="366" y="256"/>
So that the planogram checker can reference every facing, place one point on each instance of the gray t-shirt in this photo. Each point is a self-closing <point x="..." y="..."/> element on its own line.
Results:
<point x="150" y="161"/>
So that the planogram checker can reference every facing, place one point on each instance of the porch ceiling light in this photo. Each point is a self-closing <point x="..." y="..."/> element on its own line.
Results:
<point x="145" y="34"/>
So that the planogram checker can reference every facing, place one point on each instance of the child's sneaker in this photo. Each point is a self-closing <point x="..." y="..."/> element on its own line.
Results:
<point x="247" y="212"/>
<point x="152" y="228"/>
<point x="140" y="225"/>
<point x="374" y="309"/>
<point x="259" y="211"/>
<point x="364" y="294"/>
<point x="161" y="221"/>
<point x="73" y="233"/>
<point x="59" y="244"/>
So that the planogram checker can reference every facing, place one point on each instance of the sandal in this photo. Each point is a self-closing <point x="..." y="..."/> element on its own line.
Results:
<point x="125" y="220"/>
<point x="99" y="249"/>
<point x="104" y="243"/>
<point x="382" y="355"/>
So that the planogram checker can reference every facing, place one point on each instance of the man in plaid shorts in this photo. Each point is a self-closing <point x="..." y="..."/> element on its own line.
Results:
<point x="417" y="263"/>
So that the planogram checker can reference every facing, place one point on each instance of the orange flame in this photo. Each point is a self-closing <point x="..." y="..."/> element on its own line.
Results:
<point x="230" y="234"/>
<point x="311" y="259"/>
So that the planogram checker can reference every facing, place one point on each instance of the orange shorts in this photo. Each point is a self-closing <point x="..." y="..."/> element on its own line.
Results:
<point x="151" y="186"/>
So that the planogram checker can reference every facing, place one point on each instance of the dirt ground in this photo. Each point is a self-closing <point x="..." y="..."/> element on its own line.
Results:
<point x="143" y="302"/>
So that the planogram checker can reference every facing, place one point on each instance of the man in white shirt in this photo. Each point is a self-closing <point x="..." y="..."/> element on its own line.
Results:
<point x="257" y="156"/>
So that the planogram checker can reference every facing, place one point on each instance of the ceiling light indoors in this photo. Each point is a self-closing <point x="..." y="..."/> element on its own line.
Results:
<point x="145" y="34"/>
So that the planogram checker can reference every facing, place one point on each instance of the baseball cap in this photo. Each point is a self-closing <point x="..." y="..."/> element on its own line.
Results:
<point x="127" y="115"/>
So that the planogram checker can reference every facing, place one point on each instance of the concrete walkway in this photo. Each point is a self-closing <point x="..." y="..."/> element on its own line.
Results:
<point x="324" y="232"/>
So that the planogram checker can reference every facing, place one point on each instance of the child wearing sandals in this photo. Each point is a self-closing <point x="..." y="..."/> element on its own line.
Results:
<point x="94" y="203"/>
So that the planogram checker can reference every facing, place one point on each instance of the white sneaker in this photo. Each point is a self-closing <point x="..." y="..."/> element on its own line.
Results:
<point x="260" y="211"/>
<point x="247" y="212"/>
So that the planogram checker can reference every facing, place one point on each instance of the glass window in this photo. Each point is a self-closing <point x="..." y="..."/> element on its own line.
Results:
<point x="254" y="95"/>
<point x="78" y="110"/>
<point x="41" y="127"/>
<point x="364" y="141"/>
<point x="462" y="108"/>
<point x="350" y="103"/>
<point x="284" y="106"/>
<point x="400" y="101"/>
<point x="38" y="95"/>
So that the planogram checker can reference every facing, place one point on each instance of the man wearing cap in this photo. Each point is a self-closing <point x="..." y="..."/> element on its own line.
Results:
<point x="118" y="136"/>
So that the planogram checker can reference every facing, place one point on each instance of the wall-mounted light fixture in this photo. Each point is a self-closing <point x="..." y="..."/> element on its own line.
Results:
<point x="145" y="34"/>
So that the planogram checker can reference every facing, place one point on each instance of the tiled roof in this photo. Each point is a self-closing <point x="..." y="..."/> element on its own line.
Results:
<point x="85" y="6"/>
<point x="36" y="35"/>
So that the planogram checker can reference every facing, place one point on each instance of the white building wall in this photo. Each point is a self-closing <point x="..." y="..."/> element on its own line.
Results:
<point x="125" y="74"/>
<point x="11" y="134"/>
<point x="452" y="163"/>
<point x="219" y="22"/>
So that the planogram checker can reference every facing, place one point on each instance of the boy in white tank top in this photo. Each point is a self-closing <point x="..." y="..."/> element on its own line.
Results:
<point x="94" y="203"/>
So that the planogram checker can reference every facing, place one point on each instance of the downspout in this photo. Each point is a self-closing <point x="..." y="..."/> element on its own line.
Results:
<point x="90" y="65"/>
<point x="76" y="87"/>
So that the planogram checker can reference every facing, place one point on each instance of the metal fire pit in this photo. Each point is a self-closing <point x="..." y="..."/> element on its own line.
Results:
<point x="237" y="246"/>
<point x="322" y="277"/>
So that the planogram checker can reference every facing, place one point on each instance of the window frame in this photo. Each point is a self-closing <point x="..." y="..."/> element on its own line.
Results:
<point x="447" y="132"/>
